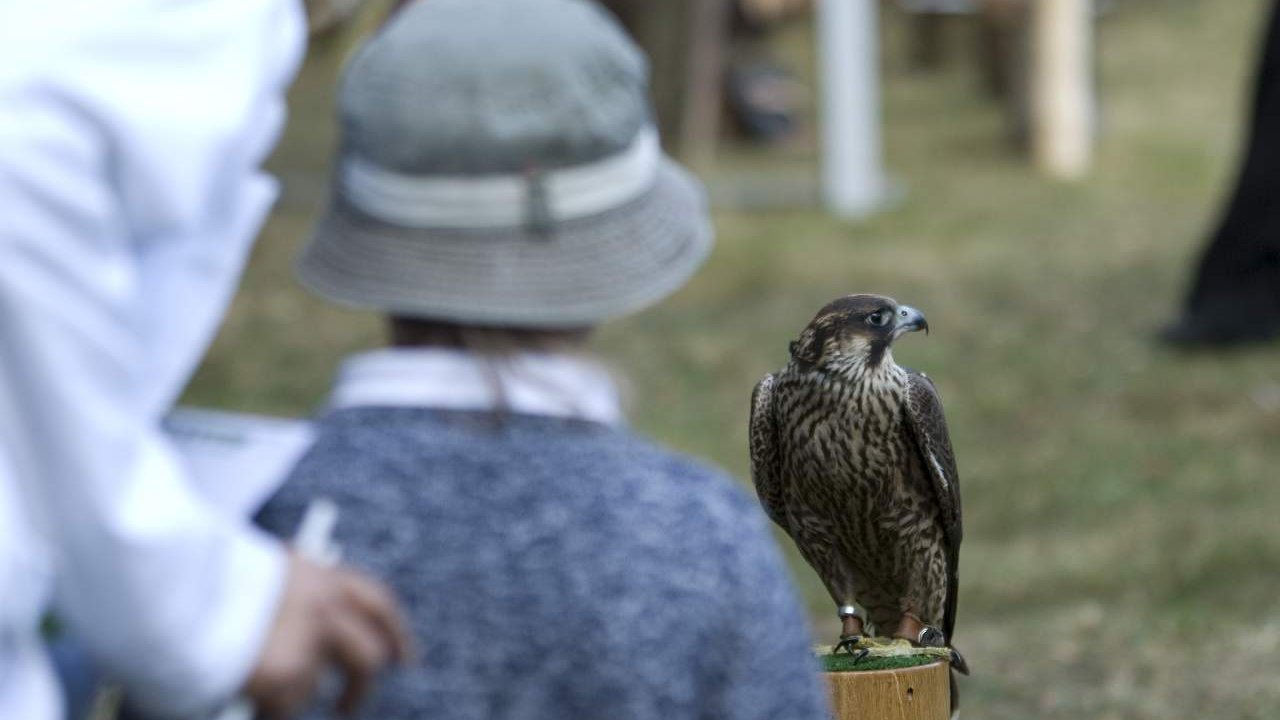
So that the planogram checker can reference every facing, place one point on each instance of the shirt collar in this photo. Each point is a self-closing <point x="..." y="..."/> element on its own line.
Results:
<point x="555" y="385"/>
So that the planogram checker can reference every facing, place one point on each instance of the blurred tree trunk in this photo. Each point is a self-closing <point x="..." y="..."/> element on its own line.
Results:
<point x="686" y="44"/>
<point x="1004" y="47"/>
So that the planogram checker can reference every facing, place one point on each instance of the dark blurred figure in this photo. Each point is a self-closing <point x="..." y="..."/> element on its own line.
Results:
<point x="1235" y="293"/>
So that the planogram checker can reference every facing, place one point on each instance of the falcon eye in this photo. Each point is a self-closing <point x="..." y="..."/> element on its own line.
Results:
<point x="878" y="319"/>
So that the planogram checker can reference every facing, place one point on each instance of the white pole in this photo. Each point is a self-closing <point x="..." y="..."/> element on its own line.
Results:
<point x="853" y="183"/>
<point x="1063" y="87"/>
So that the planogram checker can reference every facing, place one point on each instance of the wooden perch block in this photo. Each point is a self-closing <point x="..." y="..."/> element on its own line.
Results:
<point x="915" y="693"/>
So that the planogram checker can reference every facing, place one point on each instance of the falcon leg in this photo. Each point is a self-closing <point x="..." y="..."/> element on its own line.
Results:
<point x="851" y="634"/>
<point x="912" y="629"/>
<point x="852" y="621"/>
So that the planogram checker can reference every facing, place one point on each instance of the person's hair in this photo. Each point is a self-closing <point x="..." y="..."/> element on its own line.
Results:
<point x="494" y="345"/>
<point x="492" y="341"/>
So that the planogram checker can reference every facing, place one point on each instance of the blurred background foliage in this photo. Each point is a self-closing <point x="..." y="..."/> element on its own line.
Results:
<point x="1122" y="558"/>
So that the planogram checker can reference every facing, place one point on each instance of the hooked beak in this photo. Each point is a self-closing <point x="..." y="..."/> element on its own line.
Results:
<point x="908" y="320"/>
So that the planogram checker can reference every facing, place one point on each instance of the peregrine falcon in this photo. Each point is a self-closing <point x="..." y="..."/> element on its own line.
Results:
<point x="850" y="456"/>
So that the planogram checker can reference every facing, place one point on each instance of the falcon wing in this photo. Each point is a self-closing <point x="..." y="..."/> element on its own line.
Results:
<point x="766" y="465"/>
<point x="929" y="428"/>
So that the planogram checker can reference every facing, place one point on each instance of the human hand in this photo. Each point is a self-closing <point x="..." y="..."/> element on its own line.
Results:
<point x="327" y="616"/>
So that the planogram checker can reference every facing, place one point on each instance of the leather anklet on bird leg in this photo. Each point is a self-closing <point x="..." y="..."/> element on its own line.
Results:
<point x="914" y="630"/>
<point x="851" y="633"/>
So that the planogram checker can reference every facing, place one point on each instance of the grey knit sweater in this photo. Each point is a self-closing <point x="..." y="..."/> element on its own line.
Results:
<point x="558" y="569"/>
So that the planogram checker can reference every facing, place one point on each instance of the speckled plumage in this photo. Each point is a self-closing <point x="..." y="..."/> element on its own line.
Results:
<point x="850" y="455"/>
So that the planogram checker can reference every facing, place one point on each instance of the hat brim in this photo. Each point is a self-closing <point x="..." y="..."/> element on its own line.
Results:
<point x="579" y="273"/>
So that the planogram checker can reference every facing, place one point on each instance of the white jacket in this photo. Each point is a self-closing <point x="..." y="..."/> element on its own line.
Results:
<point x="131" y="138"/>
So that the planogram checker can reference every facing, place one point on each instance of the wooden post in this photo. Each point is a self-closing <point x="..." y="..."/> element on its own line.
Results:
<point x="916" y="693"/>
<point x="1062" y="89"/>
<point x="686" y="41"/>
<point x="706" y="45"/>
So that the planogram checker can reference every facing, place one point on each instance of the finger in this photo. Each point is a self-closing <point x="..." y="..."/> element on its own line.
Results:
<point x="360" y="651"/>
<point x="380" y="608"/>
<point x="289" y="698"/>
<point x="287" y="669"/>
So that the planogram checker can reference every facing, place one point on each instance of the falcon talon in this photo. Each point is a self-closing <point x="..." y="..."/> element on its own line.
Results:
<point x="847" y="643"/>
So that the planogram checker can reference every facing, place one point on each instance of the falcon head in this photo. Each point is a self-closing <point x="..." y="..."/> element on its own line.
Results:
<point x="855" y="331"/>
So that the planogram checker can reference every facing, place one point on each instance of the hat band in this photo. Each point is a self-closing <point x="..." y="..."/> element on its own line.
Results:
<point x="511" y="200"/>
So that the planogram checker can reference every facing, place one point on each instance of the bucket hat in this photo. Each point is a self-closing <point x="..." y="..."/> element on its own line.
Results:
<point x="499" y="166"/>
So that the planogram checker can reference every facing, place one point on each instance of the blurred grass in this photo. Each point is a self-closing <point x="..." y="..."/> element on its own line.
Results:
<point x="1122" y="558"/>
